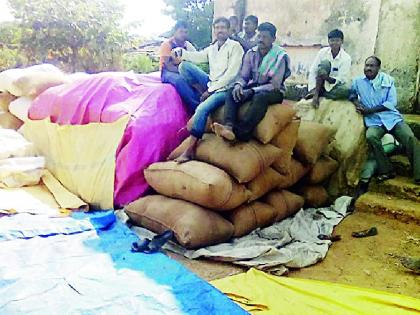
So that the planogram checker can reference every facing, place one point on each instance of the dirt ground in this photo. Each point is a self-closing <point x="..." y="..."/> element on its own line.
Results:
<point x="370" y="262"/>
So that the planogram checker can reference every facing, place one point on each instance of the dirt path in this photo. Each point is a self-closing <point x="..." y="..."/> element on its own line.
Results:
<point x="371" y="262"/>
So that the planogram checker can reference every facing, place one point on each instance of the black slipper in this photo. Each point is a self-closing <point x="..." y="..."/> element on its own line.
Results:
<point x="159" y="240"/>
<point x="332" y="238"/>
<point x="140" y="246"/>
<point x="384" y="177"/>
<point x="366" y="233"/>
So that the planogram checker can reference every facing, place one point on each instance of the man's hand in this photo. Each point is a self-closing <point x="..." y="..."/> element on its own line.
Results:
<point x="248" y="93"/>
<point x="238" y="93"/>
<point x="205" y="96"/>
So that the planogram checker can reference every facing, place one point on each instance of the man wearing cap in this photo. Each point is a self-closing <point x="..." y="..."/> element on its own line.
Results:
<point x="329" y="75"/>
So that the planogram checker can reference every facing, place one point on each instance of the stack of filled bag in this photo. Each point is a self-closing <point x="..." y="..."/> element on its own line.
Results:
<point x="233" y="188"/>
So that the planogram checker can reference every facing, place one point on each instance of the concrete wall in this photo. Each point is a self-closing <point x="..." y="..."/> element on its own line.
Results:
<point x="388" y="28"/>
<point x="398" y="45"/>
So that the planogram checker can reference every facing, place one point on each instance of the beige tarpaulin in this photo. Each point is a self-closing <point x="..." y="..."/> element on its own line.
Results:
<point x="81" y="157"/>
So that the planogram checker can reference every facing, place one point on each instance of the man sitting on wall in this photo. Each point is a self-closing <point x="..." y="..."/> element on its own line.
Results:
<point x="329" y="75"/>
<point x="169" y="66"/>
<point x="261" y="81"/>
<point x="224" y="58"/>
<point x="248" y="37"/>
<point x="375" y="97"/>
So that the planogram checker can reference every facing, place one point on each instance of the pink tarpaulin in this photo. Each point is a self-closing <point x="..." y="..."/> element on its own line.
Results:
<point x="157" y="116"/>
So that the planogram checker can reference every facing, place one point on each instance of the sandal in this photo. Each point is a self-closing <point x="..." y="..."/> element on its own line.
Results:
<point x="154" y="245"/>
<point x="366" y="233"/>
<point x="384" y="177"/>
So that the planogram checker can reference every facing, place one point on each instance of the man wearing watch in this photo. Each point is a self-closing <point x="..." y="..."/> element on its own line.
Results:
<point x="261" y="80"/>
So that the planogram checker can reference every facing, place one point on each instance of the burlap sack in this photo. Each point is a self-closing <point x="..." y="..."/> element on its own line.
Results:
<point x="263" y="183"/>
<point x="8" y="121"/>
<point x="248" y="217"/>
<point x="315" y="196"/>
<point x="197" y="182"/>
<point x="313" y="139"/>
<point x="244" y="160"/>
<point x="286" y="141"/>
<point x="297" y="171"/>
<point x="5" y="99"/>
<point x="322" y="170"/>
<point x="284" y="202"/>
<point x="193" y="225"/>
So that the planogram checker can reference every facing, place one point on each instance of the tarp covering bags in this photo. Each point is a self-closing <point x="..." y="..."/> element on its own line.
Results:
<point x="155" y="114"/>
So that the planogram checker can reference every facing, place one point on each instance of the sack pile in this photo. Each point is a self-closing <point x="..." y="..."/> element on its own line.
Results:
<point x="230" y="189"/>
<point x="19" y="87"/>
<point x="19" y="165"/>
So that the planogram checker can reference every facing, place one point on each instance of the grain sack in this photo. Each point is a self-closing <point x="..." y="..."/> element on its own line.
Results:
<point x="315" y="196"/>
<point x="263" y="183"/>
<point x="192" y="225"/>
<point x="284" y="202"/>
<point x="244" y="161"/>
<point x="5" y="99"/>
<point x="313" y="139"/>
<point x="248" y="217"/>
<point x="322" y="170"/>
<point x="8" y="121"/>
<point x="196" y="182"/>
<point x="286" y="141"/>
<point x="297" y="171"/>
<point x="21" y="171"/>
<point x="20" y="107"/>
<point x="32" y="84"/>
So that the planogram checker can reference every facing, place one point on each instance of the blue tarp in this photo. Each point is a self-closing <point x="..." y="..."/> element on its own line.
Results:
<point x="83" y="265"/>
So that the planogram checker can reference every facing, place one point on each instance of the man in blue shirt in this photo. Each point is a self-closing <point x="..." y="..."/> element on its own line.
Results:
<point x="375" y="97"/>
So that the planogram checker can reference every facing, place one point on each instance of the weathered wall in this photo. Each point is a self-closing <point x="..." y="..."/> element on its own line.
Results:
<point x="398" y="45"/>
<point x="388" y="28"/>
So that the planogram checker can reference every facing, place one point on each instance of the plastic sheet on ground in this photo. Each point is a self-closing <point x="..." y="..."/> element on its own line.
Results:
<point x="260" y="293"/>
<point x="292" y="242"/>
<point x="156" y="115"/>
<point x="84" y="265"/>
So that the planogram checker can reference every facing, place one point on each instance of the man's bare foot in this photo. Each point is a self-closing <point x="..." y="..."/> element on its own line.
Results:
<point x="224" y="132"/>
<point x="315" y="102"/>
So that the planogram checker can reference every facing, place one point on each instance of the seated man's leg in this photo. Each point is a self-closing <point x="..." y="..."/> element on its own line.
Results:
<point x="189" y="95"/>
<point x="374" y="139"/>
<point x="406" y="137"/>
<point x="338" y="92"/>
<point x="225" y="130"/>
<point x="255" y="113"/>
<point x="198" y="128"/>
<point x="324" y="69"/>
<point x="194" y="76"/>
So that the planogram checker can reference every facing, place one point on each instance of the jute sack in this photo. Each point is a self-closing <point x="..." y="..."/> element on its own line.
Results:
<point x="244" y="160"/>
<point x="313" y="139"/>
<point x="5" y="99"/>
<point x="286" y="141"/>
<point x="197" y="182"/>
<point x="8" y="121"/>
<point x="192" y="225"/>
<point x="34" y="83"/>
<point x="315" y="196"/>
<point x="284" y="202"/>
<point x="297" y="171"/>
<point x="263" y="183"/>
<point x="322" y="170"/>
<point x="248" y="217"/>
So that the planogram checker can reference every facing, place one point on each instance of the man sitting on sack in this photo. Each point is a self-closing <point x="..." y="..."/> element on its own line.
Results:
<point x="169" y="66"/>
<point x="329" y="75"/>
<point x="224" y="58"/>
<point x="261" y="81"/>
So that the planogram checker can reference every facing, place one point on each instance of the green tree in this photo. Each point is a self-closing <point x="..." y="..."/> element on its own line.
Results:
<point x="10" y="52"/>
<point x="198" y="13"/>
<point x="84" y="34"/>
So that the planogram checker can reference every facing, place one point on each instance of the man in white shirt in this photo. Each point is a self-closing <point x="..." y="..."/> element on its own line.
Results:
<point x="224" y="58"/>
<point x="329" y="75"/>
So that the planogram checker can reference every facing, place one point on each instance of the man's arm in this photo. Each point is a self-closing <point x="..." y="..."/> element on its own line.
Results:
<point x="166" y="59"/>
<point x="232" y="70"/>
<point x="196" y="56"/>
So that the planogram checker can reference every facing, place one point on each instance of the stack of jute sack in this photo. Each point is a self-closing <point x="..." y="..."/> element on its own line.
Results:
<point x="19" y="87"/>
<point x="233" y="188"/>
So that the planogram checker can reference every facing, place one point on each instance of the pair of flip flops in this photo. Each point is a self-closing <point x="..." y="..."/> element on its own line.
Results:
<point x="149" y="246"/>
